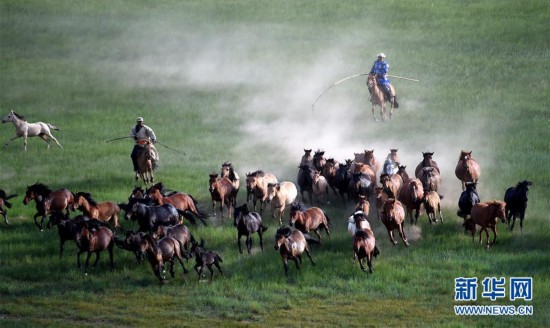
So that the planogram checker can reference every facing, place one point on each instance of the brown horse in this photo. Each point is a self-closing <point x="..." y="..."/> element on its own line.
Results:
<point x="371" y="161"/>
<point x="94" y="241"/>
<point x="393" y="217"/>
<point x="430" y="178"/>
<point x="179" y="232"/>
<point x="180" y="200"/>
<point x="364" y="247"/>
<point x="467" y="169"/>
<point x="377" y="98"/>
<point x="291" y="244"/>
<point x="205" y="259"/>
<point x="165" y="250"/>
<point x="364" y="169"/>
<point x="426" y="161"/>
<point x="381" y="196"/>
<point x="391" y="184"/>
<point x="47" y="201"/>
<point x="145" y="163"/>
<point x="256" y="184"/>
<point x="104" y="211"/>
<point x="411" y="196"/>
<point x="362" y="205"/>
<point x="306" y="219"/>
<point x="307" y="159"/>
<point x="228" y="171"/>
<point x="222" y="191"/>
<point x="432" y="204"/>
<point x="403" y="173"/>
<point x="3" y="204"/>
<point x="485" y="215"/>
<point x="329" y="172"/>
<point x="319" y="161"/>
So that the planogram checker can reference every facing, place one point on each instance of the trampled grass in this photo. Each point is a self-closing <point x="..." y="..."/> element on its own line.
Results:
<point x="235" y="81"/>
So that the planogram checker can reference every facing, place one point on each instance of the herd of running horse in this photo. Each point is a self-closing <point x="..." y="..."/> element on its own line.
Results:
<point x="162" y="237"/>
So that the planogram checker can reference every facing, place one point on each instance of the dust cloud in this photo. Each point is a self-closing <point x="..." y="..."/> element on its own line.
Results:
<point x="279" y="79"/>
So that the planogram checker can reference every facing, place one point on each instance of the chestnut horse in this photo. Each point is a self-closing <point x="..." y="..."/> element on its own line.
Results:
<point x="3" y="204"/>
<point x="47" y="201"/>
<point x="222" y="191"/>
<point x="403" y="173"/>
<point x="364" y="247"/>
<point x="392" y="184"/>
<point x="393" y="217"/>
<point x="485" y="215"/>
<point x="94" y="241"/>
<point x="426" y="161"/>
<point x="104" y="211"/>
<point x="291" y="244"/>
<point x="182" y="201"/>
<point x="179" y="232"/>
<point x="377" y="98"/>
<point x="306" y="219"/>
<point x="329" y="172"/>
<point x="256" y="185"/>
<point x="411" y="196"/>
<point x="467" y="169"/>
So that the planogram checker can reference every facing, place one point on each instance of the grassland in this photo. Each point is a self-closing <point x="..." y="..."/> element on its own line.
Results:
<point x="235" y="80"/>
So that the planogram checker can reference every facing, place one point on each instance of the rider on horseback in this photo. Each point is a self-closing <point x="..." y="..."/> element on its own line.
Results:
<point x="380" y="68"/>
<point x="142" y="134"/>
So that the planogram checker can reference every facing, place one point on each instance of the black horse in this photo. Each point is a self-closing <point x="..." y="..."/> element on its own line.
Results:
<point x="468" y="198"/>
<point x="342" y="179"/>
<point x="516" y="202"/>
<point x="149" y="216"/>
<point x="305" y="181"/>
<point x="248" y="223"/>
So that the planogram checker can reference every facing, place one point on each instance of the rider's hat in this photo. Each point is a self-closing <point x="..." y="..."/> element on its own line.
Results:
<point x="381" y="55"/>
<point x="139" y="119"/>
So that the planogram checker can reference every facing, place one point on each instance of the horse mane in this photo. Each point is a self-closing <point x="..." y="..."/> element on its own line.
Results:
<point x="298" y="206"/>
<point x="284" y="231"/>
<point x="88" y="197"/>
<point x="40" y="189"/>
<point x="21" y="117"/>
<point x="319" y="152"/>
<point x="258" y="173"/>
<point x="496" y="203"/>
<point x="361" y="234"/>
<point x="152" y="242"/>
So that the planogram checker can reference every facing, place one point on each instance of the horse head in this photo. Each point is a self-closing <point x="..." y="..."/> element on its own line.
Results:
<point x="281" y="235"/>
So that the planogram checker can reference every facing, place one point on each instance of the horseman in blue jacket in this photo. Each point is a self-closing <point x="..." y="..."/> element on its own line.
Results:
<point x="380" y="68"/>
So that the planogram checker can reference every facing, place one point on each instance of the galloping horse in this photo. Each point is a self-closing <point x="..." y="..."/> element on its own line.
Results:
<point x="305" y="181"/>
<point x="319" y="160"/>
<point x="180" y="200"/>
<point x="411" y="196"/>
<point x="104" y="211"/>
<point x="485" y="215"/>
<point x="393" y="216"/>
<point x="306" y="219"/>
<point x="291" y="244"/>
<point x="145" y="163"/>
<point x="516" y="202"/>
<point x="47" y="201"/>
<point x="228" y="171"/>
<point x="426" y="161"/>
<point x="468" y="198"/>
<point x="4" y="201"/>
<point x="256" y="184"/>
<point x="364" y="247"/>
<point x="377" y="98"/>
<point x="467" y="169"/>
<point x="25" y="129"/>
<point x="222" y="191"/>
<point x="94" y="241"/>
<point x="165" y="250"/>
<point x="248" y="223"/>
<point x="205" y="259"/>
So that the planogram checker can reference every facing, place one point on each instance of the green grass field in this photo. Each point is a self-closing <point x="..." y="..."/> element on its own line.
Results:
<point x="235" y="80"/>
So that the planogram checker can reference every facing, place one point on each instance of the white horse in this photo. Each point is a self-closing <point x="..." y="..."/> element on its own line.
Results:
<point x="25" y="129"/>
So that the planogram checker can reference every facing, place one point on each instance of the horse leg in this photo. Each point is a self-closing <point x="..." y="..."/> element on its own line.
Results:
<point x="249" y="243"/>
<point x="218" y="266"/>
<point x="390" y="232"/>
<point x="318" y="234"/>
<point x="373" y="116"/>
<point x="54" y="139"/>
<point x="402" y="235"/>
<point x="260" y="235"/>
<point x="440" y="215"/>
<point x="521" y="216"/>
<point x="88" y="262"/>
<point x="172" y="272"/>
<point x="110" y="249"/>
<point x="97" y="255"/>
<point x="308" y="253"/>
<point x="239" y="242"/>
<point x="213" y="207"/>
<point x="495" y="235"/>
<point x="78" y="265"/>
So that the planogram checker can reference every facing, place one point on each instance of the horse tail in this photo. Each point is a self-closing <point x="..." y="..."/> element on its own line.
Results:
<point x="53" y="127"/>
<point x="263" y="227"/>
<point x="188" y="216"/>
<point x="310" y="240"/>
<point x="218" y="257"/>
